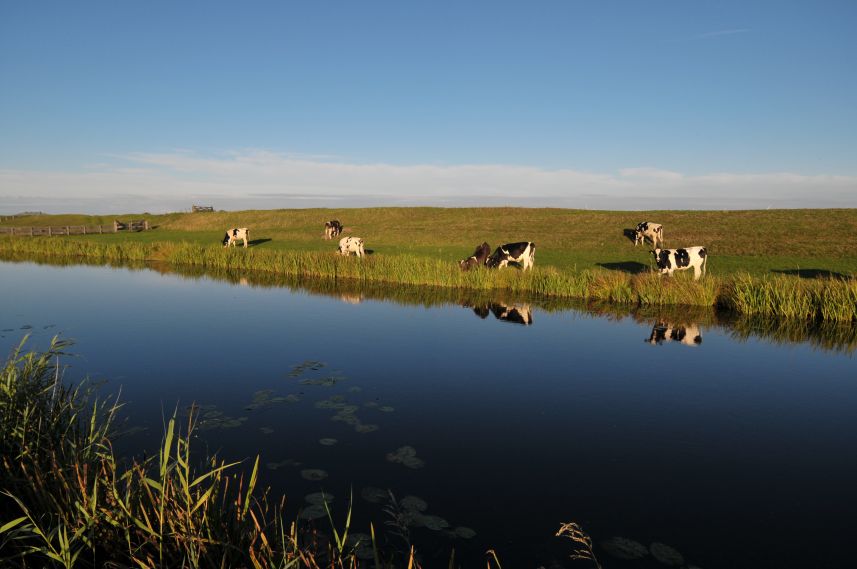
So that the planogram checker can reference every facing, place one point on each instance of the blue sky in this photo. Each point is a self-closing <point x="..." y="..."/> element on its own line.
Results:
<point x="117" y="106"/>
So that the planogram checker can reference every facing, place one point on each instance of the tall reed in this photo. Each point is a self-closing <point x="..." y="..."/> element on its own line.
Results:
<point x="781" y="295"/>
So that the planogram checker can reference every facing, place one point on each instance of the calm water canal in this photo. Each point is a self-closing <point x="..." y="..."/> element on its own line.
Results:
<point x="505" y="418"/>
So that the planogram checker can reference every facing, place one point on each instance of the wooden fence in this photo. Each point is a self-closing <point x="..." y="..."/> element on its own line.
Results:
<point x="117" y="226"/>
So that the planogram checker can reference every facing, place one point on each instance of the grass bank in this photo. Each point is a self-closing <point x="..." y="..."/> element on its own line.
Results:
<point x="67" y="501"/>
<point x="793" y="263"/>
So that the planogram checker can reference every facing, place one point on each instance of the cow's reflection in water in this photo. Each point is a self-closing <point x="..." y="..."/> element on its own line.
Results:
<point x="515" y="313"/>
<point x="687" y="334"/>
<point x="351" y="298"/>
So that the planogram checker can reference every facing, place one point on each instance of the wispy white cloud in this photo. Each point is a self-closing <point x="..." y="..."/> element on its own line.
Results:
<point x="262" y="179"/>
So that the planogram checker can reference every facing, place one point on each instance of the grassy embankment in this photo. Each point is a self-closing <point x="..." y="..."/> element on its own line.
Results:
<point x="793" y="263"/>
<point x="66" y="500"/>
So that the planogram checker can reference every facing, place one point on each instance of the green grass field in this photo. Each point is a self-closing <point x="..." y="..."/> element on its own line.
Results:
<point x="804" y="242"/>
<point x="793" y="263"/>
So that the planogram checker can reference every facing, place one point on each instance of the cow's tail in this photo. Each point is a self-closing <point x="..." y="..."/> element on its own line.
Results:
<point x="704" y="254"/>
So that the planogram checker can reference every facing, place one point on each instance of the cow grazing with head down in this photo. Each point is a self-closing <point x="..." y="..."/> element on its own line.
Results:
<point x="332" y="229"/>
<point x="477" y="259"/>
<point x="523" y="253"/>
<point x="654" y="231"/>
<point x="348" y="245"/>
<point x="671" y="260"/>
<point x="234" y="234"/>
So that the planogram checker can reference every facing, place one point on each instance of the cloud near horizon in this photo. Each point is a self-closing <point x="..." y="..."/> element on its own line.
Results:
<point x="160" y="182"/>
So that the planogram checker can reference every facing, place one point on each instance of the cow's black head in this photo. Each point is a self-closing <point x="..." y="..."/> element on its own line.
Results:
<point x="662" y="259"/>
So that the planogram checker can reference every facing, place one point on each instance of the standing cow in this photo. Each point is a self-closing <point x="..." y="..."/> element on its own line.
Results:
<point x="348" y="245"/>
<point x="654" y="231"/>
<point x="234" y="234"/>
<point x="523" y="253"/>
<point x="332" y="229"/>
<point x="477" y="259"/>
<point x="671" y="260"/>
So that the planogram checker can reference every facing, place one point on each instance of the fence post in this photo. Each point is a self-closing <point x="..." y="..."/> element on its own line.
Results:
<point x="67" y="230"/>
<point x="31" y="231"/>
<point x="115" y="226"/>
<point x="84" y="230"/>
<point x="145" y="225"/>
<point x="49" y="231"/>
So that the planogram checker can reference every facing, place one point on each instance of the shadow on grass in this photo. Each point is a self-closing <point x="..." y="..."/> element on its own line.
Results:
<point x="630" y="234"/>
<point x="813" y="274"/>
<point x="255" y="242"/>
<point x="631" y="267"/>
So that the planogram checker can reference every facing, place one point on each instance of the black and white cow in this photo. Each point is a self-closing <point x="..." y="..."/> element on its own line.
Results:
<point x="689" y="334"/>
<point x="477" y="259"/>
<point x="332" y="229"/>
<point x="671" y="260"/>
<point x="348" y="245"/>
<point x="523" y="253"/>
<point x="234" y="234"/>
<point x="654" y="231"/>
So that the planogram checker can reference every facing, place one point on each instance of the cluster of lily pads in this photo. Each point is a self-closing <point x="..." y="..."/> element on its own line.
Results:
<point x="210" y="418"/>
<point x="266" y="398"/>
<point x="407" y="456"/>
<point x="630" y="550"/>
<point x="410" y="512"/>
<point x="346" y="413"/>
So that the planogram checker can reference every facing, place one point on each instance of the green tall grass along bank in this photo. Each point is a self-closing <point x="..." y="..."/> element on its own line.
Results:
<point x="779" y="295"/>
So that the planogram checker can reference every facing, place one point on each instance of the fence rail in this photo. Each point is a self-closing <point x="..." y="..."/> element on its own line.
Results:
<point x="115" y="227"/>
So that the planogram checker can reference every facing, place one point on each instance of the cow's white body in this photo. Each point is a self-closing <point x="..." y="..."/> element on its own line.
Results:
<point x="348" y="245"/>
<point x="671" y="260"/>
<point x="234" y="234"/>
<point x="523" y="253"/>
<point x="654" y="231"/>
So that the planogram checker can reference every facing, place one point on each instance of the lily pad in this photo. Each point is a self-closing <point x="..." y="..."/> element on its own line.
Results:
<point x="435" y="523"/>
<point x="313" y="512"/>
<point x="374" y="495"/>
<point x="464" y="532"/>
<point x="406" y="455"/>
<point x="266" y="430"/>
<point x="624" y="548"/>
<point x="364" y="428"/>
<point x="282" y="463"/>
<point x="314" y="474"/>
<point x="413" y="503"/>
<point x="319" y="498"/>
<point x="666" y="554"/>
<point x="386" y="409"/>
<point x="327" y="442"/>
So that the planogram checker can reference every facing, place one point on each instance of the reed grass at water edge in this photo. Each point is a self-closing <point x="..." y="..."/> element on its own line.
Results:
<point x="831" y="298"/>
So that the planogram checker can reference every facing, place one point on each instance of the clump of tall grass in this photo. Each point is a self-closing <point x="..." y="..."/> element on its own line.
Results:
<point x="66" y="501"/>
<point x="789" y="297"/>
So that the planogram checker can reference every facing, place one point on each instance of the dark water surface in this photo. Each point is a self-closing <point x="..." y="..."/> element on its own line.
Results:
<point x="738" y="451"/>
